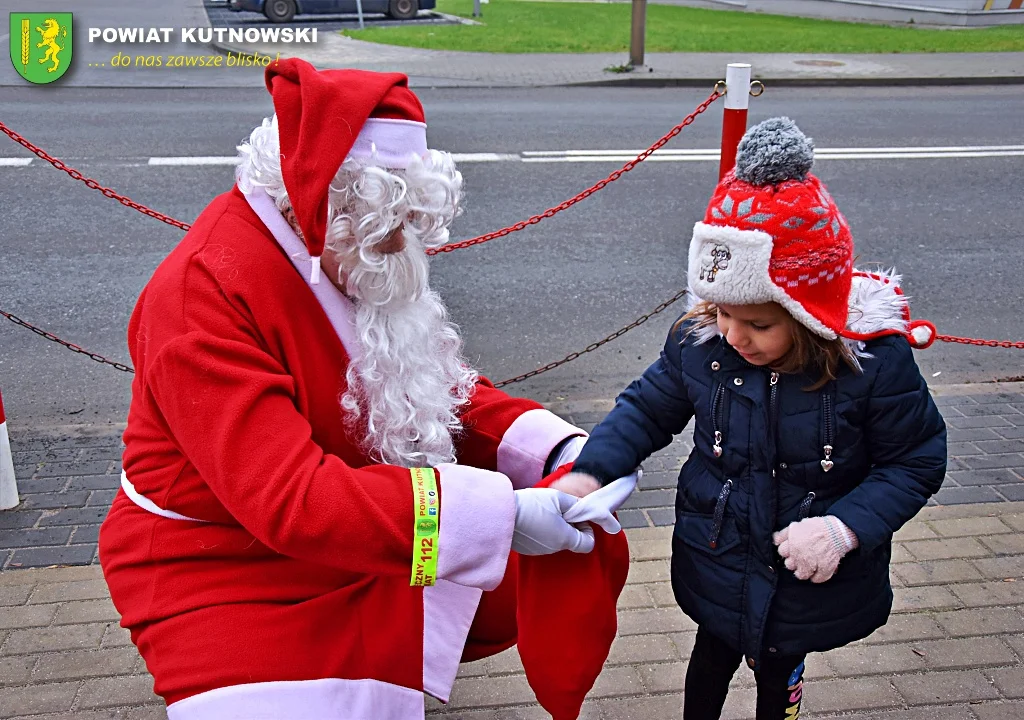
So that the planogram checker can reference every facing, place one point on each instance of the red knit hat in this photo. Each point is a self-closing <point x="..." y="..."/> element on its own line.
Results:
<point x="772" y="233"/>
<point x="326" y="116"/>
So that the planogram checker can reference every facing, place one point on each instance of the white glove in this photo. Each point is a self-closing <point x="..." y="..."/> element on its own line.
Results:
<point x="812" y="548"/>
<point x="569" y="451"/>
<point x="598" y="506"/>
<point x="540" y="528"/>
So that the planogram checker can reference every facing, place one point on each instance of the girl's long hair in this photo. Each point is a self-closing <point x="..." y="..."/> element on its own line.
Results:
<point x="810" y="353"/>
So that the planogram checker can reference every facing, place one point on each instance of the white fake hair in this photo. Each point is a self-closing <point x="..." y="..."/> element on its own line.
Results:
<point x="404" y="392"/>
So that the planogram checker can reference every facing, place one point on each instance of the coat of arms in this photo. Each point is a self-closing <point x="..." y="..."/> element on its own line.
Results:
<point x="41" y="45"/>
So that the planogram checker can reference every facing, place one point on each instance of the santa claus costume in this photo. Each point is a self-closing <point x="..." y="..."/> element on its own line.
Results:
<point x="261" y="552"/>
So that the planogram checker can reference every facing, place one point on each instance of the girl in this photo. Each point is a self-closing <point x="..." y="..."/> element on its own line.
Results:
<point x="815" y="440"/>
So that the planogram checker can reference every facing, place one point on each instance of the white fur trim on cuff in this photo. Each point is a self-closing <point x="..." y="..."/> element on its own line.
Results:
<point x="528" y="443"/>
<point x="731" y="266"/>
<point x="392" y="142"/>
<point x="478" y="514"/>
<point x="448" y="612"/>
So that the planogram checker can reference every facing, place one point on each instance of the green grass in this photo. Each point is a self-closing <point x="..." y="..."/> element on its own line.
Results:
<point x="518" y="26"/>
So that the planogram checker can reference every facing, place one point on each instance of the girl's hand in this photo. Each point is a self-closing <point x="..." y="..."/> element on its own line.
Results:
<point x="599" y="506"/>
<point x="576" y="484"/>
<point x="812" y="548"/>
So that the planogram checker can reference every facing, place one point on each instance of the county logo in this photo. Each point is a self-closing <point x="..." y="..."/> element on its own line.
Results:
<point x="41" y="45"/>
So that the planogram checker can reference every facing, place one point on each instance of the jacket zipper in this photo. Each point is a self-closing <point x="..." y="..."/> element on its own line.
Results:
<point x="717" y="410"/>
<point x="716" y="524"/>
<point x="773" y="382"/>
<point x="826" y="463"/>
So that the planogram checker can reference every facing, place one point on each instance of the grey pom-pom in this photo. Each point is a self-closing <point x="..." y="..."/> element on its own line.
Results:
<point x="774" y="151"/>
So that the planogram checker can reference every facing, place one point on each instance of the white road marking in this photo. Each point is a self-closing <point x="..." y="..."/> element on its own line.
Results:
<point x="710" y="155"/>
<point x="485" y="157"/>
<point x="944" y="152"/>
<point x="200" y="160"/>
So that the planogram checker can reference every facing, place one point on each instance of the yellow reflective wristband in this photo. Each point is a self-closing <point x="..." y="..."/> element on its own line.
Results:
<point x="425" y="527"/>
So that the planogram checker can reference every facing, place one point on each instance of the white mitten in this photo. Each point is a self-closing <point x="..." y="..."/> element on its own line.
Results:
<point x="540" y="528"/>
<point x="598" y="506"/>
<point x="812" y="548"/>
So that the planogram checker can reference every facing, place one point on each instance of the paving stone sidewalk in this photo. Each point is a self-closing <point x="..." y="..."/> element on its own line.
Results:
<point x="68" y="478"/>
<point x="953" y="650"/>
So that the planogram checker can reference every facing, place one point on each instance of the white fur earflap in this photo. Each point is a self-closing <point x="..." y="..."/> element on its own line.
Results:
<point x="874" y="306"/>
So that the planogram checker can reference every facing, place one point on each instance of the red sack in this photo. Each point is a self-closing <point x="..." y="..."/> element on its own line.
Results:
<point x="567" y="616"/>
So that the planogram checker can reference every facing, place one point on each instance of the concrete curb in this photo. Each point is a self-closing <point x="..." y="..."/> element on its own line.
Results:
<point x="655" y="80"/>
<point x="643" y="82"/>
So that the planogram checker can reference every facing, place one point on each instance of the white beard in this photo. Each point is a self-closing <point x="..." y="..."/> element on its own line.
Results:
<point x="405" y="391"/>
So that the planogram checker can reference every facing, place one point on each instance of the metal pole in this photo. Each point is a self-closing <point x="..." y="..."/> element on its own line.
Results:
<point x="476" y="8"/>
<point x="638" y="30"/>
<point x="359" y="9"/>
<point x="734" y="118"/>
<point x="8" y="483"/>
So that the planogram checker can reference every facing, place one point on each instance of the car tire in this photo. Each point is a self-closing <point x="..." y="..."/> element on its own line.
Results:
<point x="403" y="9"/>
<point x="279" y="11"/>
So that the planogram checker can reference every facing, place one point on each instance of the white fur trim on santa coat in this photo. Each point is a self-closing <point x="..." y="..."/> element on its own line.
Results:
<point x="325" y="699"/>
<point x="448" y="612"/>
<point x="731" y="266"/>
<point x="338" y="308"/>
<point x="528" y="443"/>
<point x="478" y="512"/>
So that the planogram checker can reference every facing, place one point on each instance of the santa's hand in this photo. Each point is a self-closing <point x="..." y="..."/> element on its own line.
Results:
<point x="598" y="507"/>
<point x="812" y="548"/>
<point x="576" y="484"/>
<point x="540" y="528"/>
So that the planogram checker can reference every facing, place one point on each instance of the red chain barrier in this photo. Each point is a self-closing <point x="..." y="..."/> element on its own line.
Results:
<point x="447" y="248"/>
<point x="70" y="346"/>
<point x="984" y="343"/>
<point x="128" y="202"/>
<point x="550" y="212"/>
<point x="590" y="190"/>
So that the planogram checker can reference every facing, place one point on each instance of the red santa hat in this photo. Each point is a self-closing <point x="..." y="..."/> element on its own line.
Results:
<point x="773" y="233"/>
<point x="326" y="116"/>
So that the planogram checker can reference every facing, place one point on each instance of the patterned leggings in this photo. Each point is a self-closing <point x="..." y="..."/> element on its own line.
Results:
<point x="780" y="682"/>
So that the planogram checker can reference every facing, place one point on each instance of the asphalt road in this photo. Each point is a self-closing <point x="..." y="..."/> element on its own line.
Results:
<point x="73" y="262"/>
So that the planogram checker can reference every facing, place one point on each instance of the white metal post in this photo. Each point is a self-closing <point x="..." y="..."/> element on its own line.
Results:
<point x="8" y="483"/>
<point x="734" y="118"/>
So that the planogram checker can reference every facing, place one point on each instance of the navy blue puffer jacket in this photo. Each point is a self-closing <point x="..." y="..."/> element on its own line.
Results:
<point x="887" y="456"/>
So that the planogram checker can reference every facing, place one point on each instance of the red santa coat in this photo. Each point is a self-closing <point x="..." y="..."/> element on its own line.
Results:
<point x="286" y="592"/>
